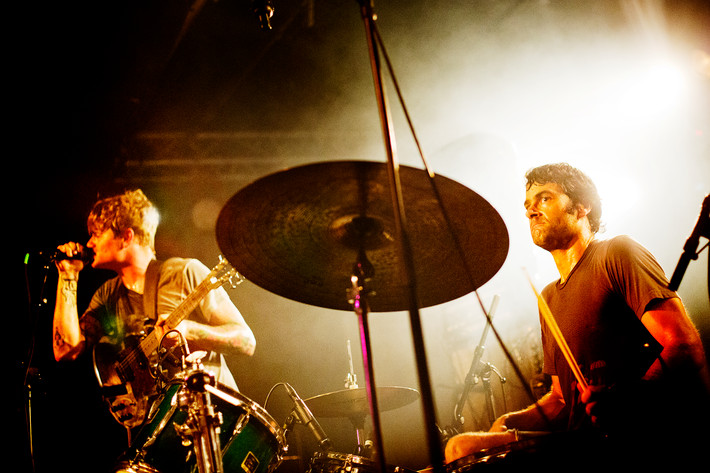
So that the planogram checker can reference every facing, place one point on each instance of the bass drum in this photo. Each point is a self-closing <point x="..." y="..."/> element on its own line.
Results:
<point x="333" y="462"/>
<point x="251" y="441"/>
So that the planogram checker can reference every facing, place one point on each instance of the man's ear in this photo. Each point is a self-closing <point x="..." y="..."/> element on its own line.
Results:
<point x="128" y="235"/>
<point x="583" y="211"/>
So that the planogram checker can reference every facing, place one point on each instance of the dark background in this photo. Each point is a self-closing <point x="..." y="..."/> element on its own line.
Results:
<point x="192" y="102"/>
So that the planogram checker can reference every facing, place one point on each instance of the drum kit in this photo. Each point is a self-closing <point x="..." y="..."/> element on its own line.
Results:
<point x="356" y="236"/>
<point x="323" y="234"/>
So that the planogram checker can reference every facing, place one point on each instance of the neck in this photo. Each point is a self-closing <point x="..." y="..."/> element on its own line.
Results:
<point x="566" y="258"/>
<point x="133" y="272"/>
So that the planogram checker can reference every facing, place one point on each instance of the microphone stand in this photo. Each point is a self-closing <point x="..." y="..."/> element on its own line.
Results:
<point x="478" y="370"/>
<point x="702" y="228"/>
<point x="31" y="373"/>
<point x="433" y="440"/>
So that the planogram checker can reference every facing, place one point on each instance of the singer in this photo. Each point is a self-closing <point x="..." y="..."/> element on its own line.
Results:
<point x="144" y="292"/>
<point x="638" y="351"/>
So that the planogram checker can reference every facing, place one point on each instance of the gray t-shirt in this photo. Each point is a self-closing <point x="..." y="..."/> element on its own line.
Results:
<point x="115" y="311"/>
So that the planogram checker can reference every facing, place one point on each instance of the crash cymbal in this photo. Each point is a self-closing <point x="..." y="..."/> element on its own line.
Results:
<point x="354" y="402"/>
<point x="299" y="232"/>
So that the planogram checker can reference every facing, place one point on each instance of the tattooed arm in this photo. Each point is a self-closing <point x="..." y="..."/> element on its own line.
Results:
<point x="225" y="331"/>
<point x="228" y="338"/>
<point x="217" y="325"/>
<point x="67" y="339"/>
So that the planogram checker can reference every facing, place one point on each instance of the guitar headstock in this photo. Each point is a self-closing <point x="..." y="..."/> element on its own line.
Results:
<point x="224" y="273"/>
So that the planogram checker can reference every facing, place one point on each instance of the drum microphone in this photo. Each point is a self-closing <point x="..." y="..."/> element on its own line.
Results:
<point x="306" y="417"/>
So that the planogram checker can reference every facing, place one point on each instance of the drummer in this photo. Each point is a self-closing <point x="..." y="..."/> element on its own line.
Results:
<point x="122" y="232"/>
<point x="629" y="334"/>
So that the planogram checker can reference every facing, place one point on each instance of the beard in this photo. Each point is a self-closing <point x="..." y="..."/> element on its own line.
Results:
<point x="554" y="234"/>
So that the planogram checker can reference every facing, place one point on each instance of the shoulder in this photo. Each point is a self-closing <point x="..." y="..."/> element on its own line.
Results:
<point x="624" y="256"/>
<point x="176" y="264"/>
<point x="616" y="243"/>
<point x="619" y="247"/>
<point x="183" y="268"/>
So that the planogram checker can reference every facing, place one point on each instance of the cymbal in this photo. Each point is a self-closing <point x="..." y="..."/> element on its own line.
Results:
<point x="354" y="402"/>
<point x="299" y="232"/>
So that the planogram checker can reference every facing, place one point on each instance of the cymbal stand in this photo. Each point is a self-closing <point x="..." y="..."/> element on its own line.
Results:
<point x="432" y="431"/>
<point x="358" y="298"/>
<point x="202" y="425"/>
<point x="351" y="378"/>
<point x="364" y="446"/>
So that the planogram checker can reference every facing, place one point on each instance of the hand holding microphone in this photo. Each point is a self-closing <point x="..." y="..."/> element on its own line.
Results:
<point x="71" y="257"/>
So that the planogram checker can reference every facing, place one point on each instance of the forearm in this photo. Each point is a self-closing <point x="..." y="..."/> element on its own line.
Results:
<point x="536" y="417"/>
<point x="468" y="443"/>
<point x="67" y="339"/>
<point x="227" y="339"/>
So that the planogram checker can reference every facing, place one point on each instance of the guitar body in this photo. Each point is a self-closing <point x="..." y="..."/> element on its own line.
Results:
<point x="125" y="378"/>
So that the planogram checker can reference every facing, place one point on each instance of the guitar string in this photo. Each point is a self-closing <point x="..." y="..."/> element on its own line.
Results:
<point x="194" y="297"/>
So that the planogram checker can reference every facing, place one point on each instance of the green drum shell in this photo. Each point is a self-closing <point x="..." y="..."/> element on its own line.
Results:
<point x="251" y="441"/>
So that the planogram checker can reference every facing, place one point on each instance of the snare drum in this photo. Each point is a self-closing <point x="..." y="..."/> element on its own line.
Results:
<point x="333" y="462"/>
<point x="550" y="452"/>
<point x="251" y="441"/>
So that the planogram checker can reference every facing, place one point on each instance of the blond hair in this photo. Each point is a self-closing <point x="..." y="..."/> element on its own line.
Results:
<point x="132" y="209"/>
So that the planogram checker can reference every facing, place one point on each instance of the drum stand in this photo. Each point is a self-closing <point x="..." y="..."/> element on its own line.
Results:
<point x="203" y="423"/>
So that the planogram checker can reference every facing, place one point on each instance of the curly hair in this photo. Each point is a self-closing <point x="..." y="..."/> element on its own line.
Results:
<point x="577" y="185"/>
<point x="132" y="209"/>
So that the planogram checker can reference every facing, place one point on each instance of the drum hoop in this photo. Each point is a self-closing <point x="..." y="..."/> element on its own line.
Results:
<point x="350" y="459"/>
<point x="135" y="467"/>
<point x="155" y="433"/>
<point x="344" y="457"/>
<point x="255" y="410"/>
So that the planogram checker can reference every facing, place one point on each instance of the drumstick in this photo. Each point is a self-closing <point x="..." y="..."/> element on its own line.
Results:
<point x="557" y="334"/>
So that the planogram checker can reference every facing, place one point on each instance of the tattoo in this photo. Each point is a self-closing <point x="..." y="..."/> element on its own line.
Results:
<point x="211" y="337"/>
<point x="58" y="339"/>
<point x="242" y="342"/>
<point x="69" y="289"/>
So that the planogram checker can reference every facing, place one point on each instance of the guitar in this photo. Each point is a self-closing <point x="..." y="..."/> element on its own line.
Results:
<point x="126" y="371"/>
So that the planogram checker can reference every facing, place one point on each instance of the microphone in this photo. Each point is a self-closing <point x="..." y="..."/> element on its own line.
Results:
<point x="86" y="256"/>
<point x="702" y="228"/>
<point x="304" y="415"/>
<point x="264" y="10"/>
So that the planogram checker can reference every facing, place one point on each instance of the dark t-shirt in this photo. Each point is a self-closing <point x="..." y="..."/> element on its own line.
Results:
<point x="598" y="309"/>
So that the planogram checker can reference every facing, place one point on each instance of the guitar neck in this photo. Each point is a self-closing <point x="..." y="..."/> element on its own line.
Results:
<point x="151" y="342"/>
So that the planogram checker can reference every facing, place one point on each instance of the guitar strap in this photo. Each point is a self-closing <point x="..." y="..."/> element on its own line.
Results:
<point x="150" y="290"/>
